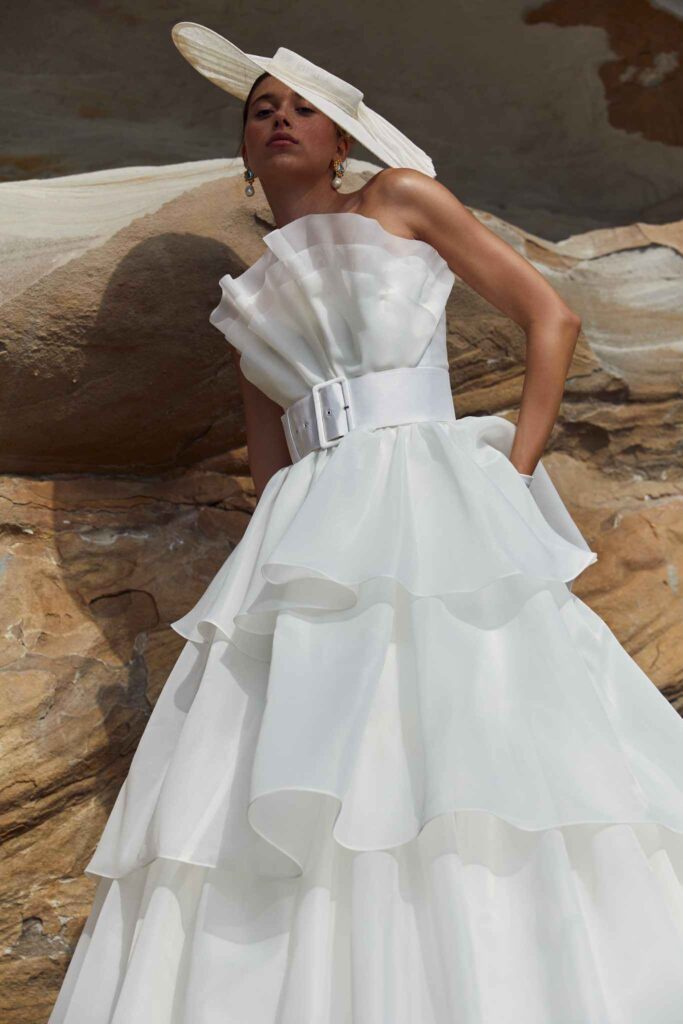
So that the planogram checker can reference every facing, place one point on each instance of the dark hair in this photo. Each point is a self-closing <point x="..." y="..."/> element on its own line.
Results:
<point x="245" y="110"/>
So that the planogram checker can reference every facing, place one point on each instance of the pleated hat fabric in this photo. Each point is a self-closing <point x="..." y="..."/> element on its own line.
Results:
<point x="233" y="70"/>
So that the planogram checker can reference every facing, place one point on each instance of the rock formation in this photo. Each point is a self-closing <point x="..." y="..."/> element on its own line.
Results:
<point x="125" y="480"/>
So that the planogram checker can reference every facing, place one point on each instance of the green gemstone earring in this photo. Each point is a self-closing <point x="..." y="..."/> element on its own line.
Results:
<point x="338" y="173"/>
<point x="249" y="176"/>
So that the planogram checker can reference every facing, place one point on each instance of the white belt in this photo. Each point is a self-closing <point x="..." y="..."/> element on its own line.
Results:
<point x="333" y="407"/>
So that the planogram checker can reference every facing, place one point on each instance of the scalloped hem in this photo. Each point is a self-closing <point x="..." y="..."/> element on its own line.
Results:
<point x="447" y="818"/>
<point x="399" y="713"/>
<point x="314" y="544"/>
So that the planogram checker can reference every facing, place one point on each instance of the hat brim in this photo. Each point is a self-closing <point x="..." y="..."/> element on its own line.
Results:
<point x="217" y="58"/>
<point x="235" y="71"/>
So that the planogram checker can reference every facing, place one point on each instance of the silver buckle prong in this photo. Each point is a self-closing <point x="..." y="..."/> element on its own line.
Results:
<point x="322" y="437"/>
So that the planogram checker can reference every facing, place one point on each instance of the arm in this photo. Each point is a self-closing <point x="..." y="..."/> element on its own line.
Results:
<point x="266" y="442"/>
<point x="509" y="282"/>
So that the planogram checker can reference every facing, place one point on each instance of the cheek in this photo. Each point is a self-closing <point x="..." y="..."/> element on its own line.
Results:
<point x="255" y="131"/>
<point x="262" y="127"/>
<point x="317" y="133"/>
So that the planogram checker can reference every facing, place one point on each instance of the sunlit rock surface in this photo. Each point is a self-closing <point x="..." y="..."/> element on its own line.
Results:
<point x="125" y="483"/>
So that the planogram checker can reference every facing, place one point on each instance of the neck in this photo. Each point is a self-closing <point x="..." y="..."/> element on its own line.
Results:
<point x="291" y="204"/>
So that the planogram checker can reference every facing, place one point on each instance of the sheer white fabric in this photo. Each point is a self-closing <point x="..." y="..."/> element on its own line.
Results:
<point x="399" y="773"/>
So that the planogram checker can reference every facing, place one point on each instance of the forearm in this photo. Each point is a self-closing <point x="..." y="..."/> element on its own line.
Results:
<point x="266" y="444"/>
<point x="265" y="460"/>
<point x="549" y="351"/>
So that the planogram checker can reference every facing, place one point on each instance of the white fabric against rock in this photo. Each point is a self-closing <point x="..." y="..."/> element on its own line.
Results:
<point x="334" y="294"/>
<point x="399" y="773"/>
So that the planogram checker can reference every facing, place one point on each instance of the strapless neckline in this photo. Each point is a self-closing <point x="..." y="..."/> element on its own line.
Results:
<point x="334" y="293"/>
<point x="416" y="243"/>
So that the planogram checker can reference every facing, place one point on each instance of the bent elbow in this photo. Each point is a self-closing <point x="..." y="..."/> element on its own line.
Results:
<point x="559" y="314"/>
<point x="571" y="318"/>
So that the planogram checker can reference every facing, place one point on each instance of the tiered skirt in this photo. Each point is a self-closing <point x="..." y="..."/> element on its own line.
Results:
<point x="399" y="773"/>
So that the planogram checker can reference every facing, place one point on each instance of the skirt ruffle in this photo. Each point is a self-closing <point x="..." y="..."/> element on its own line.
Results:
<point x="399" y="772"/>
<point x="435" y="509"/>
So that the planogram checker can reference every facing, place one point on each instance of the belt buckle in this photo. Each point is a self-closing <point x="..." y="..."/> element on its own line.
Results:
<point x="322" y="436"/>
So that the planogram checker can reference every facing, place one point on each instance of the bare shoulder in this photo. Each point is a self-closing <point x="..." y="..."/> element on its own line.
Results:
<point x="483" y="260"/>
<point x="407" y="201"/>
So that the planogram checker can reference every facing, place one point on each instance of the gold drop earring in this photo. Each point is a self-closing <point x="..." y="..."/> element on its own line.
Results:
<point x="249" y="177"/>
<point x="338" y="172"/>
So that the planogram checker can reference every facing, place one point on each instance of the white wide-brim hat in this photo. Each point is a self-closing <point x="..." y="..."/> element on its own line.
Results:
<point x="231" y="69"/>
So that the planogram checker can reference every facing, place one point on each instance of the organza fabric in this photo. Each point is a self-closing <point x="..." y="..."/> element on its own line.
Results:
<point x="399" y="773"/>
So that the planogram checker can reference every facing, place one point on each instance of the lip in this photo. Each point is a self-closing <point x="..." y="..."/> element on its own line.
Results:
<point x="282" y="139"/>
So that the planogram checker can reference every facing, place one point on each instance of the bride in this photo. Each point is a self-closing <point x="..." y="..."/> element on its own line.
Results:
<point x="293" y="149"/>
<point x="399" y="773"/>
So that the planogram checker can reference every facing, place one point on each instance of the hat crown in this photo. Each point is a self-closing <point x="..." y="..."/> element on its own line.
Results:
<point x="312" y="77"/>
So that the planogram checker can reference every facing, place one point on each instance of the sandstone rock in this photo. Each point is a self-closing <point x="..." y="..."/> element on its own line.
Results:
<point x="558" y="115"/>
<point x="126" y="484"/>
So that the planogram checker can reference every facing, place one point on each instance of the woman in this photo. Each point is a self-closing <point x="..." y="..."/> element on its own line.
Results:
<point x="399" y="774"/>
<point x="295" y="176"/>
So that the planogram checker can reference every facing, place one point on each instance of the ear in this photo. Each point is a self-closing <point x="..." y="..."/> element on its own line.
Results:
<point x="344" y="143"/>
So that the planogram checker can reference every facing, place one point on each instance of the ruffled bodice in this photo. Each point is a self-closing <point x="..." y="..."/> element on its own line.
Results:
<point x="335" y="294"/>
<point x="339" y="294"/>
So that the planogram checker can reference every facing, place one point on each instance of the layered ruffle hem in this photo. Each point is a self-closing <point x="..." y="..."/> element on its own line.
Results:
<point x="399" y="774"/>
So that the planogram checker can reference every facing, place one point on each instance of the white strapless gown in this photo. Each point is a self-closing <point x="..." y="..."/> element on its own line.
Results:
<point x="399" y="773"/>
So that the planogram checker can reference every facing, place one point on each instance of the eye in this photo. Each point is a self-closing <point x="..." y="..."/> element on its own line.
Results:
<point x="267" y="110"/>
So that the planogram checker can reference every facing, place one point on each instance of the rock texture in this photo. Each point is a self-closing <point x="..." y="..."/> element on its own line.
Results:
<point x="558" y="115"/>
<point x="126" y="482"/>
<point x="643" y="79"/>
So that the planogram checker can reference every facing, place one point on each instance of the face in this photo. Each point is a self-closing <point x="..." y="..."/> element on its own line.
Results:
<point x="275" y="108"/>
